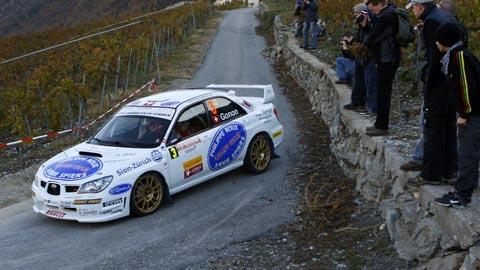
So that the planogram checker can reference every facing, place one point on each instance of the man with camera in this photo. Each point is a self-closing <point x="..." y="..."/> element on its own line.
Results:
<point x="364" y="90"/>
<point x="344" y="63"/>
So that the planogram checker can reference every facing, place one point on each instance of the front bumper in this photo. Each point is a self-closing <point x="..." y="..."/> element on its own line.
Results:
<point x="80" y="207"/>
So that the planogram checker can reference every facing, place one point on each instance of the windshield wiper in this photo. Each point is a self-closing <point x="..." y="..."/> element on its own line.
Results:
<point x="117" y="143"/>
<point x="100" y="141"/>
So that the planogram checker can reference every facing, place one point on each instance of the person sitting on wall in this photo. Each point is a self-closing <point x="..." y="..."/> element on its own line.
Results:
<point x="345" y="63"/>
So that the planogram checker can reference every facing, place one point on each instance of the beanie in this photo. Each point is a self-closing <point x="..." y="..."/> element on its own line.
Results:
<point x="360" y="7"/>
<point x="448" y="34"/>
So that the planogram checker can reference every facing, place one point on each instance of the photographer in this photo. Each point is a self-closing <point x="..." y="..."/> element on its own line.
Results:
<point x="300" y="18"/>
<point x="365" y="73"/>
<point x="345" y="64"/>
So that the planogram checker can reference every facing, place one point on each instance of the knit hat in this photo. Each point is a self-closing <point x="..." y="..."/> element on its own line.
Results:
<point x="448" y="34"/>
<point x="360" y="7"/>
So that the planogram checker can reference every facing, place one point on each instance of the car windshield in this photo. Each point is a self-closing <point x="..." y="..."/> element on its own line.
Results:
<point x="132" y="131"/>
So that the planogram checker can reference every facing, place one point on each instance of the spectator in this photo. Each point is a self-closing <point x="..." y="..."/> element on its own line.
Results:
<point x="300" y="18"/>
<point x="364" y="88"/>
<point x="464" y="70"/>
<point x="416" y="162"/>
<point x="386" y="53"/>
<point x="311" y="16"/>
<point x="345" y="64"/>
<point x="440" y="144"/>
<point x="449" y="6"/>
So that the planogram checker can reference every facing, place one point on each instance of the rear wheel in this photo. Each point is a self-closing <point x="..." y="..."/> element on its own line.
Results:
<point x="259" y="154"/>
<point x="147" y="194"/>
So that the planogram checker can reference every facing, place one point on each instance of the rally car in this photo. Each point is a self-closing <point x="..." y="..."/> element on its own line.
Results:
<point x="157" y="146"/>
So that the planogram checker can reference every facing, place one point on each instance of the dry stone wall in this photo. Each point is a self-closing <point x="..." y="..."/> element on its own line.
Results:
<point x="438" y="237"/>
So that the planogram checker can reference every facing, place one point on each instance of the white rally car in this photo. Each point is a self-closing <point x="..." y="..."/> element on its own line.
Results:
<point x="155" y="147"/>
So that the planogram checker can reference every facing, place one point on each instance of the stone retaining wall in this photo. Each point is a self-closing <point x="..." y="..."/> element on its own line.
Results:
<point x="438" y="237"/>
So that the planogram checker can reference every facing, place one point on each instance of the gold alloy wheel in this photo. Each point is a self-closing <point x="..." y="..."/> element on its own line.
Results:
<point x="260" y="153"/>
<point x="148" y="193"/>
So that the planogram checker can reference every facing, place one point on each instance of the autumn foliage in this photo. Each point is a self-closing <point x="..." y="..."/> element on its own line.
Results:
<point x="68" y="86"/>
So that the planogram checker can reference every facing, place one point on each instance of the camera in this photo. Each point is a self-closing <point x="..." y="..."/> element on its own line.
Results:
<point x="360" y="18"/>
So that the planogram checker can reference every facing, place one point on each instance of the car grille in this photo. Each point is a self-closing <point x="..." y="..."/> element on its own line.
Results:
<point x="53" y="189"/>
<point x="70" y="189"/>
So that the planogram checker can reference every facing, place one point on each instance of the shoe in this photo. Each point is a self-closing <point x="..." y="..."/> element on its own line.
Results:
<point x="353" y="107"/>
<point x="312" y="48"/>
<point x="420" y="181"/>
<point x="411" y="166"/>
<point x="377" y="132"/>
<point x="452" y="200"/>
<point x="370" y="128"/>
<point x="341" y="81"/>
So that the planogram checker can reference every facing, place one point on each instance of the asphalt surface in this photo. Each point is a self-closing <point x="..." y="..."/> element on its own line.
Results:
<point x="202" y="221"/>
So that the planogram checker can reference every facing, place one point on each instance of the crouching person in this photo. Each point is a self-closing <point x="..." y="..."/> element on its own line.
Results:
<point x="463" y="70"/>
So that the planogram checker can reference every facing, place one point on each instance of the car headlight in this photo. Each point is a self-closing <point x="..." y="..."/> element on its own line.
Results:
<point x="96" y="186"/>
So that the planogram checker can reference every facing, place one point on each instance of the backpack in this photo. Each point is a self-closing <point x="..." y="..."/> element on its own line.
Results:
<point x="405" y="34"/>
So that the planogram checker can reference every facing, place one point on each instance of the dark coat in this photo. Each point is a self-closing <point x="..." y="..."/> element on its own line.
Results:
<point x="311" y="11"/>
<point x="381" y="39"/>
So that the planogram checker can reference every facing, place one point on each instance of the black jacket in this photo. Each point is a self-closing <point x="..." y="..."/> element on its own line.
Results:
<point x="311" y="11"/>
<point x="464" y="71"/>
<point x="433" y="18"/>
<point x="381" y="39"/>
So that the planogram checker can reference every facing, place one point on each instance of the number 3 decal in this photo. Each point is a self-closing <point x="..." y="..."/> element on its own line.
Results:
<point x="173" y="152"/>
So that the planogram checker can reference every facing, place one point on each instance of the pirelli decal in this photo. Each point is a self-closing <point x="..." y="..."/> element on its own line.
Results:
<point x="192" y="167"/>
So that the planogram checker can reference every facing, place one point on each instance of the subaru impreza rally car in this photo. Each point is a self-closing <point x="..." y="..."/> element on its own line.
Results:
<point x="155" y="147"/>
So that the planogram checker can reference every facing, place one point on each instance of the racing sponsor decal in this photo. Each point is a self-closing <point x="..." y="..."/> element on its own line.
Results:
<point x="264" y="115"/>
<point x="173" y="152"/>
<point x="226" y="145"/>
<point x="228" y="115"/>
<point x="192" y="167"/>
<point x="88" y="212"/>
<point x="112" y="211"/>
<point x="156" y="155"/>
<point x="189" y="145"/>
<point x="54" y="213"/>
<point x="89" y="201"/>
<point x="74" y="168"/>
<point x="277" y="133"/>
<point x="114" y="202"/>
<point x="166" y="113"/>
<point x="170" y="104"/>
<point x="247" y="104"/>
<point x="122" y="188"/>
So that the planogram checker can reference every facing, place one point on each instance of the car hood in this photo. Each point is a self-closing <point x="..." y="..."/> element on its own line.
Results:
<point x="86" y="162"/>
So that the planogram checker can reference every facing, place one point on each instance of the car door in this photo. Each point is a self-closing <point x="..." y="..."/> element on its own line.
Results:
<point x="187" y="145"/>
<point x="228" y="137"/>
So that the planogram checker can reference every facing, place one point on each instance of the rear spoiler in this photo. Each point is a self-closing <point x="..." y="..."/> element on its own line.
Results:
<point x="268" y="94"/>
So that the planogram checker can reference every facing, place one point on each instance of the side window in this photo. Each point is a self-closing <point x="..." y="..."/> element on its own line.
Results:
<point x="222" y="109"/>
<point x="192" y="121"/>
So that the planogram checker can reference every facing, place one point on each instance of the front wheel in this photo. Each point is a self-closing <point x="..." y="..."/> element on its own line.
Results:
<point x="147" y="194"/>
<point x="259" y="154"/>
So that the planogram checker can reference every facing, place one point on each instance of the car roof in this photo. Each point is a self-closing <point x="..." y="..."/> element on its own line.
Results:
<point x="172" y="98"/>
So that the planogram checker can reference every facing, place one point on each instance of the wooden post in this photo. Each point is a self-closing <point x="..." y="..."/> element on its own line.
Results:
<point x="128" y="72"/>
<point x="100" y="106"/>
<point x="80" y="104"/>
<point x="146" y="61"/>
<point x="119" y="59"/>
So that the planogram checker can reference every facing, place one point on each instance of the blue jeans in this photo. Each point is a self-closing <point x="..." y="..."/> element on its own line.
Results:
<point x="312" y="26"/>
<point x="345" y="68"/>
<point x="371" y="85"/>
<point x="298" y="28"/>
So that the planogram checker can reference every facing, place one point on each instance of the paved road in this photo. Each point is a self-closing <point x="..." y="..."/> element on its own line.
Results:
<point x="201" y="223"/>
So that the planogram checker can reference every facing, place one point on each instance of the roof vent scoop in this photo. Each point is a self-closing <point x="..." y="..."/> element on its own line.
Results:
<point x="82" y="153"/>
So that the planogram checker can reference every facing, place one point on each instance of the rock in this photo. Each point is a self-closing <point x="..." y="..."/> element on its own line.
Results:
<point x="472" y="260"/>
<point x="427" y="238"/>
<point x="448" y="262"/>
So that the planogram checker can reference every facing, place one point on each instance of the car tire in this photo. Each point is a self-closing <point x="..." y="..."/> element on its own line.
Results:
<point x="147" y="194"/>
<point x="259" y="154"/>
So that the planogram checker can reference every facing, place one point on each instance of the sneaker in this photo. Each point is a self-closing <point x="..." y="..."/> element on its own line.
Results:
<point x="411" y="166"/>
<point x="353" y="107"/>
<point x="377" y="132"/>
<point x="452" y="200"/>
<point x="420" y="181"/>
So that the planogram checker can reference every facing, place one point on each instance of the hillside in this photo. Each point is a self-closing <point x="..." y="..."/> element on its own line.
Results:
<point x="22" y="16"/>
